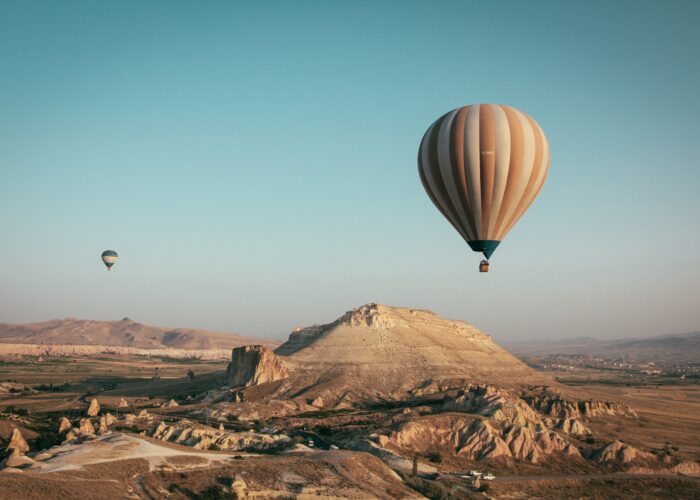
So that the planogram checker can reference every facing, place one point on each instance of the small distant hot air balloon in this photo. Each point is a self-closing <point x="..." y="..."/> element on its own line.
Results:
<point x="482" y="166"/>
<point x="109" y="257"/>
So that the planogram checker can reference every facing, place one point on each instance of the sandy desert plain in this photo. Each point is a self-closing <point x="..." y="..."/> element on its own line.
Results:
<point x="384" y="402"/>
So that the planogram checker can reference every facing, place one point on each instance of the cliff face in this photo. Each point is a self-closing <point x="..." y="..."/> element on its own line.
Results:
<point x="253" y="365"/>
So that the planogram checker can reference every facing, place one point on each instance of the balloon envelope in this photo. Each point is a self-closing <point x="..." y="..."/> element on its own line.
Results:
<point x="482" y="166"/>
<point x="109" y="257"/>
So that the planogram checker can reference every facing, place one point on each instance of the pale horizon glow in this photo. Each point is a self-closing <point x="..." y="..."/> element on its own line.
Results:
<point x="254" y="164"/>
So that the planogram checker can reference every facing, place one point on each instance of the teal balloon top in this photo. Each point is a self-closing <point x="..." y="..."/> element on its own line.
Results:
<point x="109" y="257"/>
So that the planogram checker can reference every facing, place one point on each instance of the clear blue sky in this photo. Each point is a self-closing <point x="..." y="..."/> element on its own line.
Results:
<point x="254" y="163"/>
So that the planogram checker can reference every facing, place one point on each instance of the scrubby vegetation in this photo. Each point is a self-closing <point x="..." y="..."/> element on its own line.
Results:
<point x="52" y="388"/>
<point x="429" y="489"/>
<point x="22" y="412"/>
<point x="46" y="439"/>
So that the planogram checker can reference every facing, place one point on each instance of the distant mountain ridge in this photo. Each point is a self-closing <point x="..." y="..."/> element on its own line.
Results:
<point x="683" y="346"/>
<point x="124" y="333"/>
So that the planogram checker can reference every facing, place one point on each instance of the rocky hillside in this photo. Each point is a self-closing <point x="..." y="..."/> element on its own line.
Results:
<point x="444" y="387"/>
<point x="378" y="352"/>
<point x="479" y="439"/>
<point x="485" y="423"/>
<point x="205" y="438"/>
<point x="124" y="333"/>
<point x="115" y="465"/>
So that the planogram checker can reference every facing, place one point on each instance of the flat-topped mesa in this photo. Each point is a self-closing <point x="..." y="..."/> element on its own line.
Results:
<point x="376" y="350"/>
<point x="381" y="320"/>
<point x="254" y="364"/>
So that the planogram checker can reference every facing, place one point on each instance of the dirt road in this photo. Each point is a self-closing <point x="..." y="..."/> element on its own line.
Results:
<point x="562" y="477"/>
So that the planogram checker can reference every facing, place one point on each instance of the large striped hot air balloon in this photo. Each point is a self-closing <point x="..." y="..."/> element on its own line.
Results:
<point x="482" y="166"/>
<point x="109" y="257"/>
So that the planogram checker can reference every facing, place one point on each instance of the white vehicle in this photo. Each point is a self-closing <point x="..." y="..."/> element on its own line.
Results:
<point x="311" y="443"/>
<point x="475" y="473"/>
<point x="489" y="477"/>
<point x="334" y="447"/>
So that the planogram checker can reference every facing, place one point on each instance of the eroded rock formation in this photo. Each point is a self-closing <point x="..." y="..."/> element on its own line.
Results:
<point x="375" y="316"/>
<point x="202" y="437"/>
<point x="479" y="439"/>
<point x="620" y="452"/>
<point x="253" y="365"/>
<point x="64" y="425"/>
<point x="94" y="408"/>
<point x="572" y="426"/>
<point x="17" y="444"/>
<point x="495" y="403"/>
<point x="71" y="435"/>
<point x="557" y="406"/>
<point x="508" y="406"/>
<point x="102" y="427"/>
<point x="86" y="427"/>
